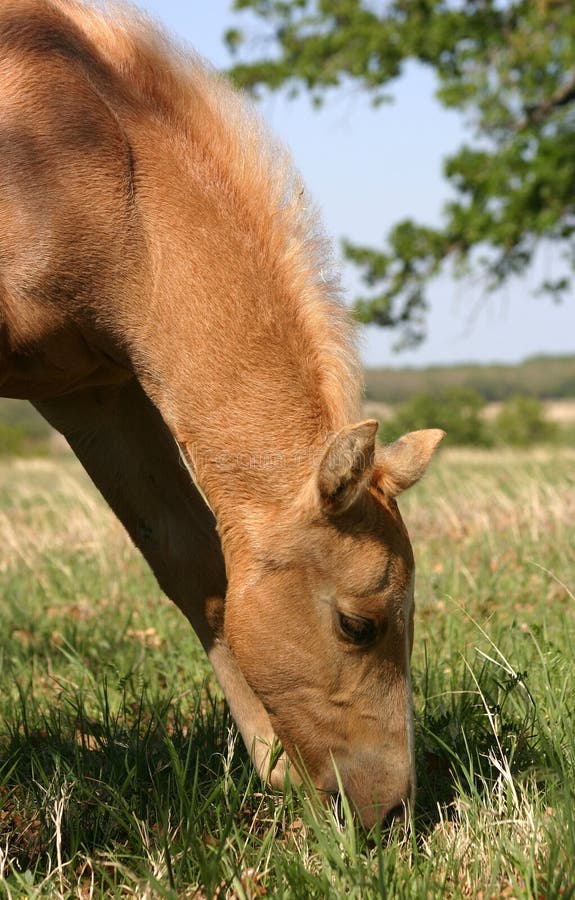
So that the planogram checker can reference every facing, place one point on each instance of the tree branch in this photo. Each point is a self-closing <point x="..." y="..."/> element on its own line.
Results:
<point x="539" y="112"/>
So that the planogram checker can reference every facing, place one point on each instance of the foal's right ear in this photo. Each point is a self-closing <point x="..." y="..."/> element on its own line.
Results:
<point x="347" y="466"/>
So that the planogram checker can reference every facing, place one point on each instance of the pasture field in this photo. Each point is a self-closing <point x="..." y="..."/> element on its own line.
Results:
<point x="121" y="774"/>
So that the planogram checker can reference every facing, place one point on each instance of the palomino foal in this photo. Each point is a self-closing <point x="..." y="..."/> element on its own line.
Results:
<point x="163" y="296"/>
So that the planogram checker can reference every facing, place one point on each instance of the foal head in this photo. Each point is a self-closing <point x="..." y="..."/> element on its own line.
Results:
<point x="321" y="619"/>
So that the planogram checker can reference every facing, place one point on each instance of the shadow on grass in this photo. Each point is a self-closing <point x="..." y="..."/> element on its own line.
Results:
<point x="465" y="737"/>
<point x="74" y="784"/>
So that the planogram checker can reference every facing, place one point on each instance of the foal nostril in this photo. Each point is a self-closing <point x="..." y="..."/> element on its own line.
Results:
<point x="396" y="816"/>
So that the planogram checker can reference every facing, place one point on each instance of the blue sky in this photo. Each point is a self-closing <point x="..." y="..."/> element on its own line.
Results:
<point x="368" y="168"/>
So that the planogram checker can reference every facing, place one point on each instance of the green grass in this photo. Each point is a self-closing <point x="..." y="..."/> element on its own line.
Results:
<point x="120" y="771"/>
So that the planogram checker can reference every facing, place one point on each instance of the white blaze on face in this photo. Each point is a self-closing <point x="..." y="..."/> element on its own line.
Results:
<point x="407" y="611"/>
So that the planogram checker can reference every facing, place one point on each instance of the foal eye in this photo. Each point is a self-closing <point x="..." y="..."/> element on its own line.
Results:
<point x="357" y="629"/>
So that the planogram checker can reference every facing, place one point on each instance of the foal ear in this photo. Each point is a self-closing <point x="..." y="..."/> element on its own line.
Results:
<point x="402" y="463"/>
<point x="346" y="466"/>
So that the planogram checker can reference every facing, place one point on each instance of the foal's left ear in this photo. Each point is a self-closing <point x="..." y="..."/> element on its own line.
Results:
<point x="402" y="463"/>
<point x="347" y="466"/>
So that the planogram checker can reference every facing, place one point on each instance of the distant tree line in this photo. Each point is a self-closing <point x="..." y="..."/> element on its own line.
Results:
<point x="544" y="378"/>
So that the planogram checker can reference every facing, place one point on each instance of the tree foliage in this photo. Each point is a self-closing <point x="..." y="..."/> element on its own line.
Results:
<point x="509" y="65"/>
<point x="456" y="410"/>
<point x="521" y="422"/>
